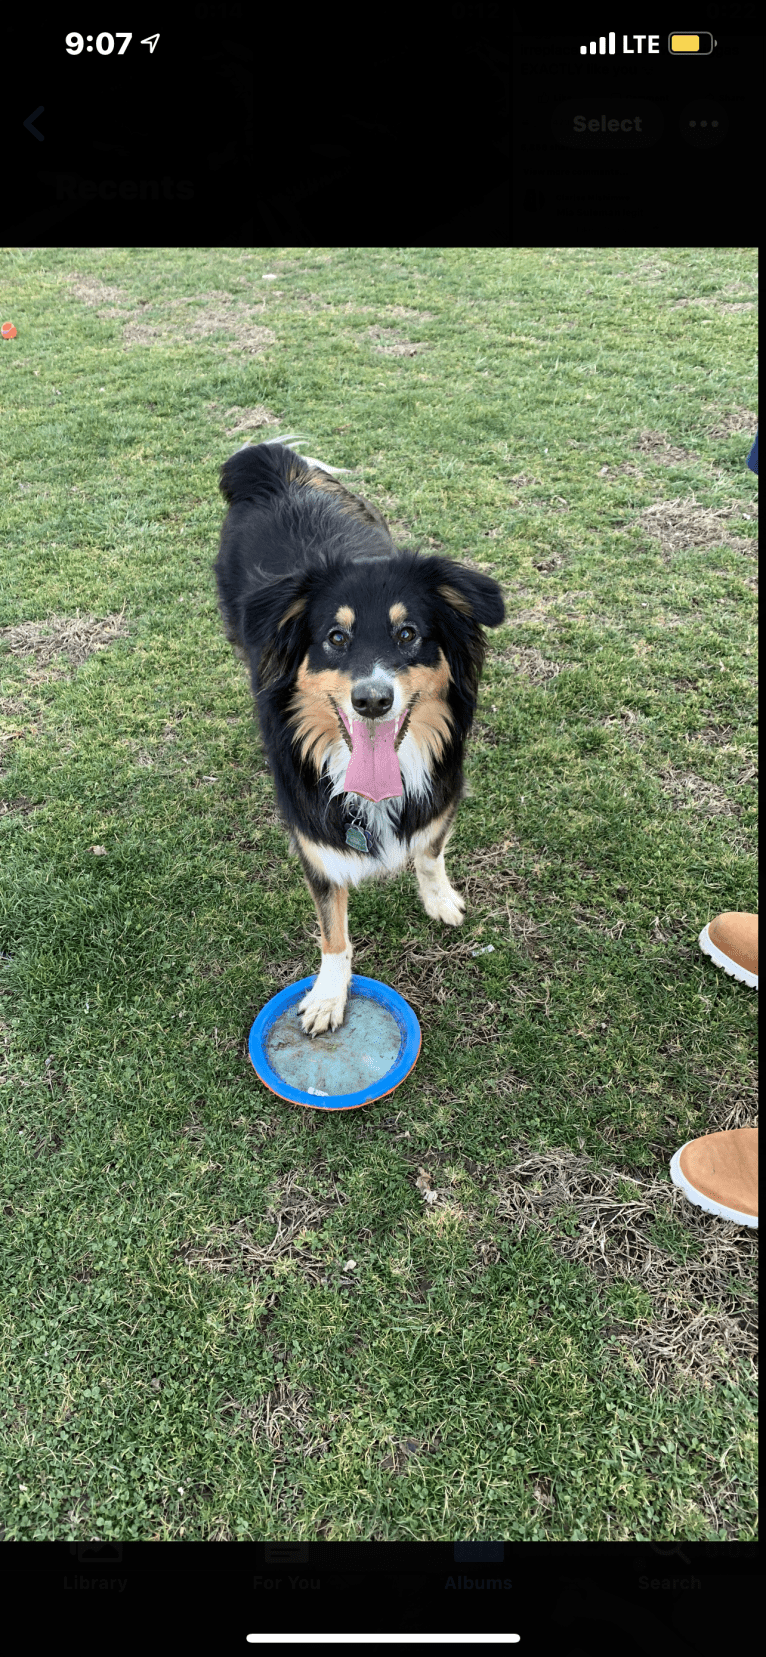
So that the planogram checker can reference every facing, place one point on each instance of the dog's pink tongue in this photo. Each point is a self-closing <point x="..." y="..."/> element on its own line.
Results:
<point x="373" y="769"/>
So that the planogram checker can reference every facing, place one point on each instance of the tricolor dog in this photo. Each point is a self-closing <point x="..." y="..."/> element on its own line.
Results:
<point x="365" y="663"/>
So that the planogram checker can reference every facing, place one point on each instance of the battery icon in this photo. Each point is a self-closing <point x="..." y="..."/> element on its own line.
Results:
<point x="689" y="45"/>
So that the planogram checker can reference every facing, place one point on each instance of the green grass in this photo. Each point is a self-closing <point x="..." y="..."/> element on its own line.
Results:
<point x="539" y="1337"/>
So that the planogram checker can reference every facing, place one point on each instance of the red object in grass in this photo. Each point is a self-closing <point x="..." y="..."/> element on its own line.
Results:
<point x="8" y="331"/>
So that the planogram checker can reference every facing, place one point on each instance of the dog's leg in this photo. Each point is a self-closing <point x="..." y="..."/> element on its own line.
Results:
<point x="439" y="899"/>
<point x="325" y="1004"/>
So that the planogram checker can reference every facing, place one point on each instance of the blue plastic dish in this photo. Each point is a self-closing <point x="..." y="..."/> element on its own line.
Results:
<point x="373" y="1051"/>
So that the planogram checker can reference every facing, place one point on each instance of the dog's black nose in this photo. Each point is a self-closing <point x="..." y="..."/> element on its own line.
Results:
<point x="370" y="699"/>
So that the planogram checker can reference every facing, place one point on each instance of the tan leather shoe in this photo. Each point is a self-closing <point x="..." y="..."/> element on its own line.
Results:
<point x="731" y="941"/>
<point x="719" y="1173"/>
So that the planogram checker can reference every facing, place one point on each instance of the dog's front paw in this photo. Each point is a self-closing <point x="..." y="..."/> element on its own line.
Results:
<point x="319" y="1015"/>
<point x="325" y="1004"/>
<point x="441" y="901"/>
<point x="448" y="906"/>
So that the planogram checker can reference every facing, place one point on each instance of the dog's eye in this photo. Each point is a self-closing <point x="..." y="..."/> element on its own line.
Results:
<point x="406" y="635"/>
<point x="336" y="638"/>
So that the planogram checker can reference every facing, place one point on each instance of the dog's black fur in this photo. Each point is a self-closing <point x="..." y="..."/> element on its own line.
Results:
<point x="329" y="615"/>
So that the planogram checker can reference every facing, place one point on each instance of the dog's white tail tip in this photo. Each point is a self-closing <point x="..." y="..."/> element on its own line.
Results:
<point x="294" y="438"/>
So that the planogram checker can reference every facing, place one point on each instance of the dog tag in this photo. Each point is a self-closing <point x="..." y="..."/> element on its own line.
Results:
<point x="355" y="838"/>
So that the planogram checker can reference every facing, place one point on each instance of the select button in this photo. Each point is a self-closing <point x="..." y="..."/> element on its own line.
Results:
<point x="597" y="124"/>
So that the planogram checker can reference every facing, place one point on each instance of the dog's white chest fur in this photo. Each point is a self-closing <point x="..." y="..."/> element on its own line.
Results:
<point x="380" y="817"/>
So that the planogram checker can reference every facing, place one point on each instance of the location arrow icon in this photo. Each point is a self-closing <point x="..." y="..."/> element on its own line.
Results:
<point x="151" y="42"/>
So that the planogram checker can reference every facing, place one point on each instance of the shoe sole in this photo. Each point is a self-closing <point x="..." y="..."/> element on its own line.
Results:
<point x="725" y="961"/>
<point x="708" y="1203"/>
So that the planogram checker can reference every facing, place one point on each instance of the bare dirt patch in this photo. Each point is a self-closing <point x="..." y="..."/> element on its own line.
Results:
<point x="239" y="421"/>
<point x="20" y="807"/>
<point x="425" y="975"/>
<point x="389" y="344"/>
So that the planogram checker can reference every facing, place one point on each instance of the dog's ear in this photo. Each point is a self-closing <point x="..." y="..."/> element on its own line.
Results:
<point x="473" y="595"/>
<point x="275" y="625"/>
<point x="466" y="601"/>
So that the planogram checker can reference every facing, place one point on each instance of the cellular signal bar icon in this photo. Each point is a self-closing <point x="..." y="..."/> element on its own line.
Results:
<point x="601" y="48"/>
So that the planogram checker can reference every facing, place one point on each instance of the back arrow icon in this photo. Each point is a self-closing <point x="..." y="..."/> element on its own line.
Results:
<point x="151" y="42"/>
<point x="30" y="128"/>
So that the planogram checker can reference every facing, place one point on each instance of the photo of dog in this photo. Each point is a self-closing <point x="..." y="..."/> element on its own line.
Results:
<point x="365" y="663"/>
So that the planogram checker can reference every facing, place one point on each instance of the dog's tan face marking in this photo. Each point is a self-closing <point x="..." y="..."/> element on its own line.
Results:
<point x="345" y="617"/>
<point x="397" y="614"/>
<point x="312" y="714"/>
<point x="430" y="719"/>
<point x="316" y="722"/>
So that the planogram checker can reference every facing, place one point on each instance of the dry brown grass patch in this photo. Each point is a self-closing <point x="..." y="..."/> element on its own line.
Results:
<point x="216" y="311"/>
<point x="294" y="1212"/>
<point x="688" y="792"/>
<point x="680" y="525"/>
<point x="74" y="637"/>
<point x="529" y="663"/>
<point x="703" y="1309"/>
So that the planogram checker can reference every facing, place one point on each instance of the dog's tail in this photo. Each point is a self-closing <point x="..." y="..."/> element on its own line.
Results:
<point x="290" y="440"/>
<point x="259" y="471"/>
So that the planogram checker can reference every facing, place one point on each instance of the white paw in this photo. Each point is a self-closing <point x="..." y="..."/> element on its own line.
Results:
<point x="325" y="1004"/>
<point x="443" y="903"/>
<point x="320" y="1014"/>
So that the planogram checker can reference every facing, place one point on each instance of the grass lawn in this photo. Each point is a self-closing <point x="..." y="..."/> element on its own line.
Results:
<point x="478" y="1308"/>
